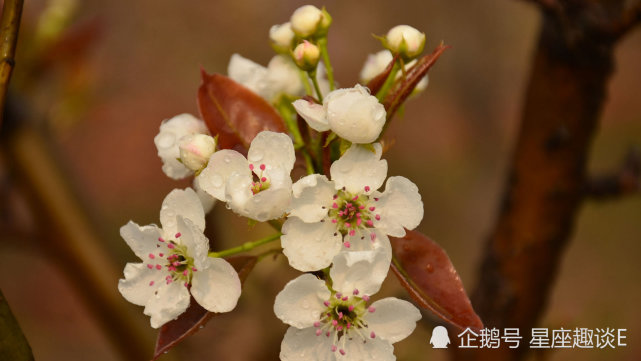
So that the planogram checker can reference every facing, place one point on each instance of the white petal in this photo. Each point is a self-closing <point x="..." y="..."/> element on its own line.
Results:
<point x="141" y="240"/>
<point x="314" y="114"/>
<point x="399" y="206"/>
<point x="375" y="64"/>
<point x="312" y="197"/>
<point x="171" y="131"/>
<point x="361" y="270"/>
<point x="310" y="246"/>
<point x="196" y="242"/>
<point x="184" y="203"/>
<point x="168" y="303"/>
<point x="283" y="77"/>
<point x="268" y="204"/>
<point x="355" y="115"/>
<point x="249" y="74"/>
<point x="217" y="286"/>
<point x="274" y="150"/>
<point x="221" y="166"/>
<point x="360" y="167"/>
<point x="372" y="349"/>
<point x="206" y="200"/>
<point x="137" y="287"/>
<point x="304" y="345"/>
<point x="300" y="303"/>
<point x="393" y="319"/>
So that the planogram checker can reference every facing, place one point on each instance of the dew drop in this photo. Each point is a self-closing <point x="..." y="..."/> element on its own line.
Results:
<point x="255" y="157"/>
<point x="227" y="160"/>
<point x="429" y="268"/>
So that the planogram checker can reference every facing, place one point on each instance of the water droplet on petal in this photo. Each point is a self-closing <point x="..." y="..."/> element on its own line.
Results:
<point x="255" y="157"/>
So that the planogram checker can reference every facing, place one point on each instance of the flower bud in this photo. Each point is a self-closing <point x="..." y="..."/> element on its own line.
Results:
<point x="308" y="20"/>
<point x="195" y="150"/>
<point x="282" y="37"/>
<point x="405" y="40"/>
<point x="306" y="56"/>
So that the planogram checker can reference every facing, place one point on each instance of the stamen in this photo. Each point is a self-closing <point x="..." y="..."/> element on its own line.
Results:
<point x="178" y="235"/>
<point x="160" y="239"/>
<point x="370" y="223"/>
<point x="342" y="352"/>
<point x="378" y="217"/>
<point x="372" y="335"/>
<point x="151" y="283"/>
<point x="371" y="309"/>
<point x="158" y="267"/>
<point x="160" y="255"/>
<point x="372" y="236"/>
<point x="355" y="292"/>
<point x="367" y="188"/>
<point x="263" y="179"/>
<point x="352" y="232"/>
<point x="366" y="298"/>
<point x="251" y="167"/>
<point x="372" y="209"/>
<point x="171" y="246"/>
<point x="316" y="324"/>
<point x="151" y="255"/>
<point x="334" y="348"/>
<point x="326" y="303"/>
<point x="318" y="332"/>
<point x="262" y="167"/>
<point x="345" y="298"/>
<point x="347" y="244"/>
<point x="150" y="266"/>
<point x="350" y="308"/>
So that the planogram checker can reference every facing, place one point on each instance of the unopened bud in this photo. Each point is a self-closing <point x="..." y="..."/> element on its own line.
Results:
<point x="195" y="150"/>
<point x="306" y="56"/>
<point x="310" y="21"/>
<point x="282" y="37"/>
<point x="405" y="40"/>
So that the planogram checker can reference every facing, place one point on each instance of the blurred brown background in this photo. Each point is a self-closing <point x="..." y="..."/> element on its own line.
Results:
<point x="454" y="142"/>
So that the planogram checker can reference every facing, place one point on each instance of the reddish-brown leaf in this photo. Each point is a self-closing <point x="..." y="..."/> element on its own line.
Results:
<point x="427" y="273"/>
<point x="413" y="76"/>
<point x="377" y="82"/>
<point x="235" y="113"/>
<point x="195" y="317"/>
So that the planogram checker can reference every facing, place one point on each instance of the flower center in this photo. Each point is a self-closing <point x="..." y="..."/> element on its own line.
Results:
<point x="343" y="319"/>
<point x="173" y="259"/>
<point x="260" y="182"/>
<point x="353" y="212"/>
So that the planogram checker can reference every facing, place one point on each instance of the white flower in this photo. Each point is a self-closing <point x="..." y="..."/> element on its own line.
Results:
<point x="337" y="323"/>
<point x="281" y="76"/>
<point x="175" y="263"/>
<point x="376" y="63"/>
<point x="167" y="141"/>
<point x="195" y="150"/>
<point x="352" y="113"/>
<point x="348" y="210"/>
<point x="259" y="186"/>
<point x="282" y="36"/>
<point x="405" y="40"/>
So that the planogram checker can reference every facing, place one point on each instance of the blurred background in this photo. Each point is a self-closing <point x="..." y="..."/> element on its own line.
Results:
<point x="131" y="64"/>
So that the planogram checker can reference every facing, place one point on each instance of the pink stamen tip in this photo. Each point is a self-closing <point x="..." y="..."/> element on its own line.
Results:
<point x="366" y="298"/>
<point x="334" y="322"/>
<point x="334" y="220"/>
<point x="339" y="295"/>
<point x="340" y="315"/>
<point x="160" y="254"/>
<point x="327" y="333"/>
<point x="176" y="264"/>
<point x="150" y="266"/>
<point x="185" y="272"/>
<point x="348" y="326"/>
<point x="370" y="223"/>
<point x="168" y="281"/>
<point x="168" y="277"/>
<point x="251" y="167"/>
<point x="356" y="291"/>
<point x="367" y="188"/>
<point x="334" y="348"/>
<point x="372" y="209"/>
<point x="355" y="198"/>
<point x="378" y="217"/>
<point x="359" y="221"/>
<point x="375" y="199"/>
<point x="372" y="335"/>
<point x="151" y="255"/>
<point x="350" y="308"/>
<point x="263" y="179"/>
<point x="158" y="267"/>
<point x="352" y="232"/>
<point x="372" y="236"/>
<point x="171" y="268"/>
<point x="178" y="235"/>
<point x="348" y="225"/>
<point x="151" y="283"/>
<point x="316" y="324"/>
<point x="171" y="246"/>
<point x="345" y="298"/>
<point x="342" y="352"/>
<point x="358" y="215"/>
<point x="194" y="269"/>
<point x="371" y="309"/>
<point x="186" y="284"/>
<point x="335" y="196"/>
<point x="348" y="205"/>
<point x="347" y="244"/>
<point x="339" y="328"/>
<point x="262" y="167"/>
<point x="334" y="205"/>
<point x="326" y="303"/>
<point x="318" y="332"/>
<point x="361" y="207"/>
<point x="160" y="239"/>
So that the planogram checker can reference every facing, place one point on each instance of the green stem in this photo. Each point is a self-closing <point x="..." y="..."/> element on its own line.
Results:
<point x="322" y="44"/>
<point x="303" y="78"/>
<point x="289" y="116"/>
<point x="388" y="82"/>
<point x="312" y="75"/>
<point x="247" y="246"/>
<point x="309" y="163"/>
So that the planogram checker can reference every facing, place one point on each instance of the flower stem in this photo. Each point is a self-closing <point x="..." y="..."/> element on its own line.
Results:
<point x="312" y="75"/>
<point x="247" y="246"/>
<point x="322" y="44"/>
<point x="303" y="79"/>
<point x="388" y="82"/>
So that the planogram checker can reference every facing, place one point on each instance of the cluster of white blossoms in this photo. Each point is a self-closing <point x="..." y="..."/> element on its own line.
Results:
<point x="338" y="222"/>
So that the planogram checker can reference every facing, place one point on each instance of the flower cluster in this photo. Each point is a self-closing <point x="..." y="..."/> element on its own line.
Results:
<point x="334" y="222"/>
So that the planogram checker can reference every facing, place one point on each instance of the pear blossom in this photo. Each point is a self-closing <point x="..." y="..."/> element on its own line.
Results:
<point x="175" y="263"/>
<point x="352" y="113"/>
<point x="281" y="76"/>
<point x="168" y="139"/>
<point x="338" y="322"/>
<point x="406" y="40"/>
<point x="308" y="20"/>
<point x="195" y="150"/>
<point x="348" y="210"/>
<point x="257" y="187"/>
<point x="376" y="64"/>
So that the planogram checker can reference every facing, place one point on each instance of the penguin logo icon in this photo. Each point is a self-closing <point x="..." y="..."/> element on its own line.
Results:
<point x="440" y="338"/>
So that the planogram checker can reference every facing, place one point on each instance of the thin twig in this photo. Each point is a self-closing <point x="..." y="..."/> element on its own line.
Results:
<point x="625" y="181"/>
<point x="9" y="25"/>
<point x="630" y="18"/>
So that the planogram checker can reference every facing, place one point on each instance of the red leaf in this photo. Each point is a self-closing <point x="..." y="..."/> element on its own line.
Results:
<point x="195" y="317"/>
<point x="427" y="273"/>
<point x="233" y="112"/>
<point x="414" y="75"/>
